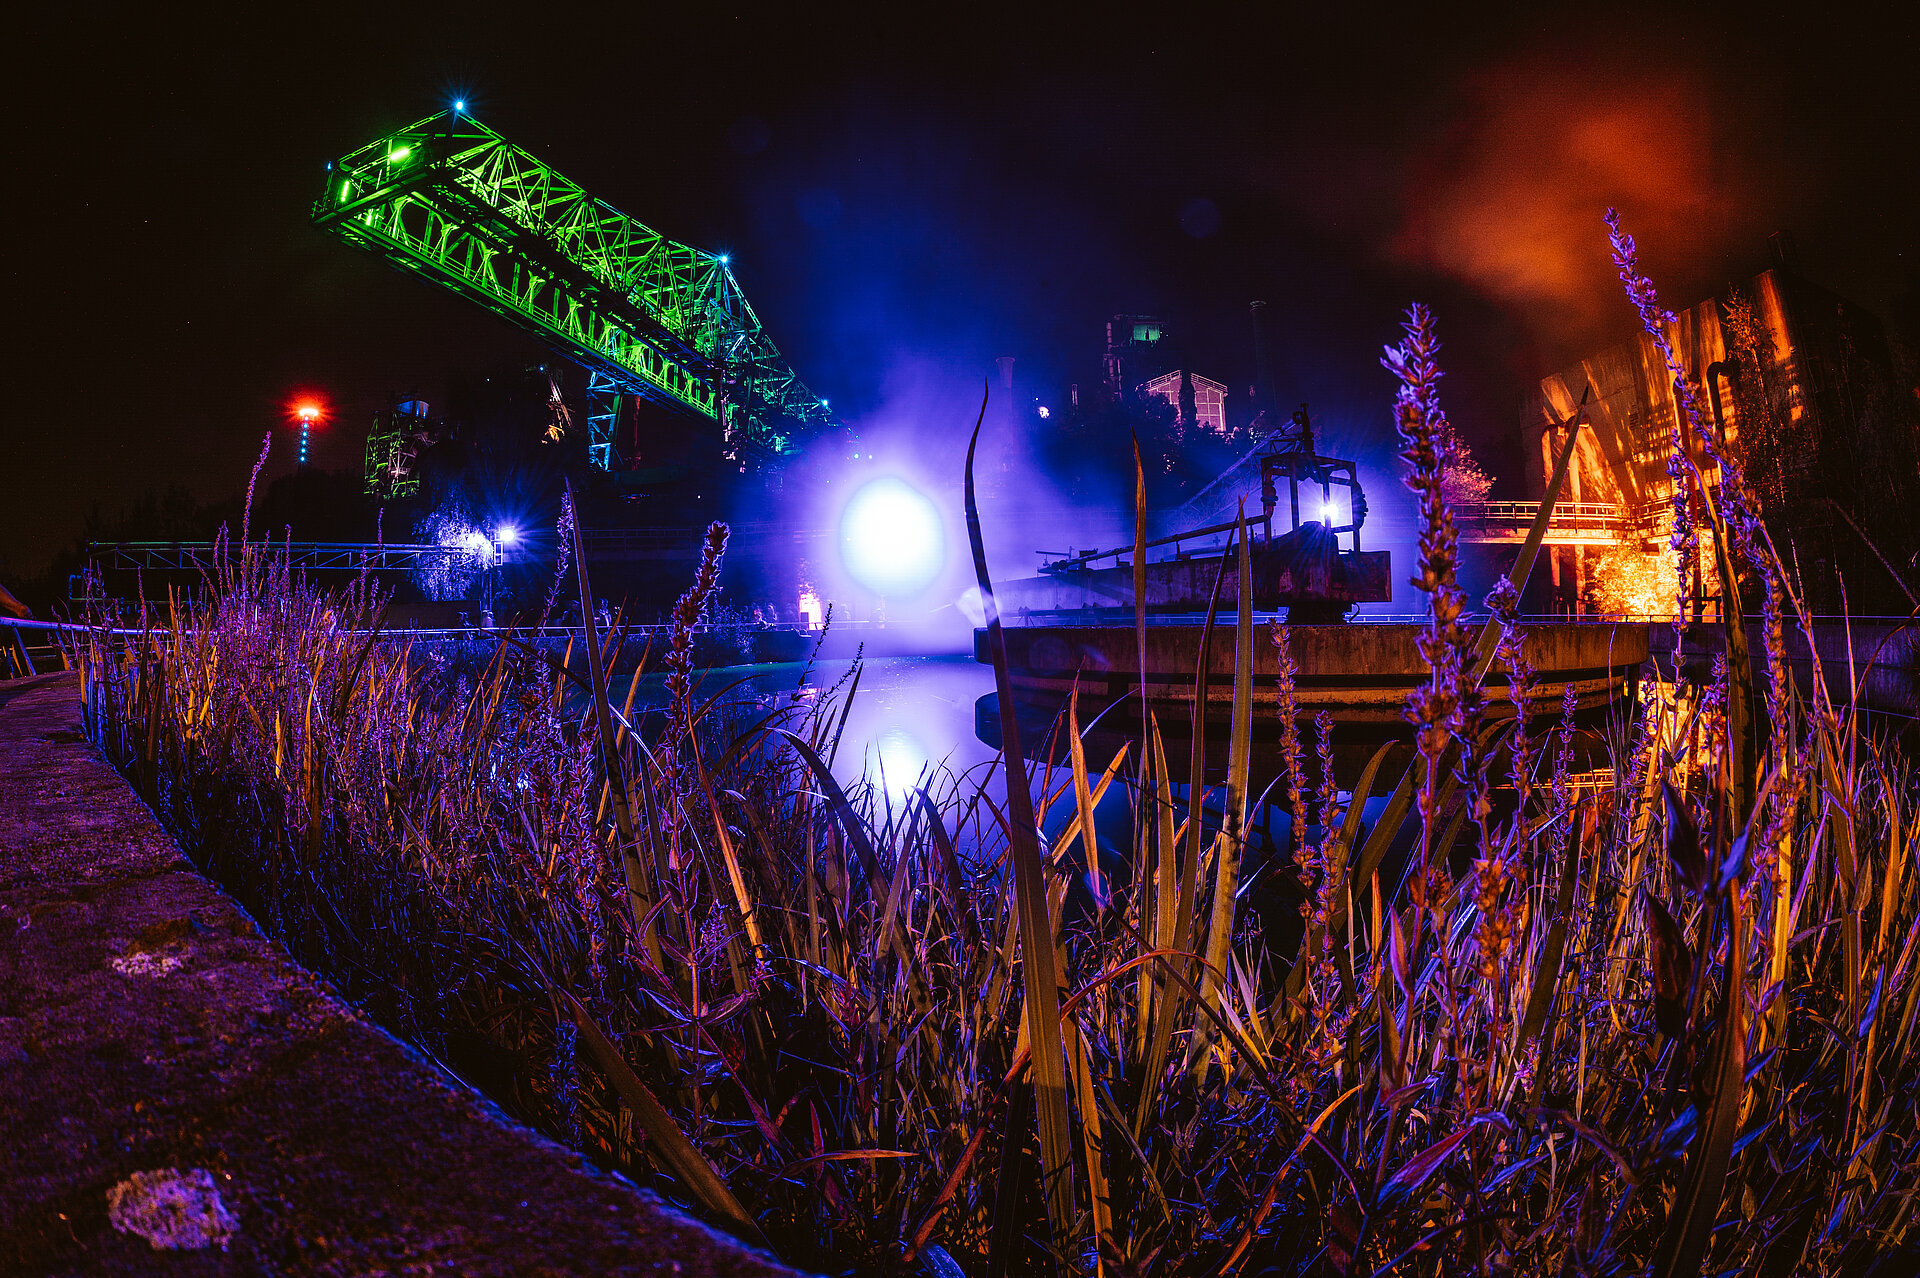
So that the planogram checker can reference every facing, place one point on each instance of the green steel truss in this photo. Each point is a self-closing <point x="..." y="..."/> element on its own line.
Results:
<point x="455" y="202"/>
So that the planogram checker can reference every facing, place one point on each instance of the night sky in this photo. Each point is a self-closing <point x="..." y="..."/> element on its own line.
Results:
<point x="910" y="193"/>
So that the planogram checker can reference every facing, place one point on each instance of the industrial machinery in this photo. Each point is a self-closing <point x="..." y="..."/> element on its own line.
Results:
<point x="647" y="318"/>
<point x="1071" y="631"/>
<point x="394" y="444"/>
<point x="1302" y="567"/>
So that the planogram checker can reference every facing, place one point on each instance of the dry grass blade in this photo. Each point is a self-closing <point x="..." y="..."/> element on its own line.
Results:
<point x="1041" y="984"/>
<point x="1267" y="1200"/>
<point x="663" y="1134"/>
<point x="1231" y="842"/>
<point x="639" y="897"/>
<point x="1140" y="583"/>
<point x="1188" y="869"/>
<point x="1086" y="1098"/>
<point x="950" y="867"/>
<point x="1696" y="1204"/>
<point x="1158" y="901"/>
<point x="1546" y="979"/>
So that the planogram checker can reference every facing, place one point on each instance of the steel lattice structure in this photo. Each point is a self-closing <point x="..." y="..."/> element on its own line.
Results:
<point x="454" y="202"/>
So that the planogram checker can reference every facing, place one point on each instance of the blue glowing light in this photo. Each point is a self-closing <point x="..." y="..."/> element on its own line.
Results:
<point x="459" y="104"/>
<point x="508" y="535"/>
<point x="891" y="539"/>
<point x="723" y="259"/>
<point x="900" y="760"/>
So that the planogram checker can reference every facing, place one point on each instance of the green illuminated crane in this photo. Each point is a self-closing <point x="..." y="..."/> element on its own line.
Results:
<point x="453" y="201"/>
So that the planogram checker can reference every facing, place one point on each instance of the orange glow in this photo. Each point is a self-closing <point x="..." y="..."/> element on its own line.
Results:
<point x="308" y="410"/>
<point x="1507" y="195"/>
<point x="1633" y="582"/>
<point x="1639" y="582"/>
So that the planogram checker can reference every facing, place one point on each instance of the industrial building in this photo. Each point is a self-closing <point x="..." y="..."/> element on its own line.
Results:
<point x="1807" y="391"/>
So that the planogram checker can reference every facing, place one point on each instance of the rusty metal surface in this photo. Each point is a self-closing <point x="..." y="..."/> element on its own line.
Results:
<point x="1360" y="673"/>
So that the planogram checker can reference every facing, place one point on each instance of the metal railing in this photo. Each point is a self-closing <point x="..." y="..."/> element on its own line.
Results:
<point x="1057" y="561"/>
<point x="307" y="556"/>
<point x="29" y="647"/>
<point x="1261" y="616"/>
<point x="1572" y="522"/>
<point x="20" y="657"/>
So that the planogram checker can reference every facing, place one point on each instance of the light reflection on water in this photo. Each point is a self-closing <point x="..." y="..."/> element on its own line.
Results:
<point x="911" y="719"/>
<point x="912" y="723"/>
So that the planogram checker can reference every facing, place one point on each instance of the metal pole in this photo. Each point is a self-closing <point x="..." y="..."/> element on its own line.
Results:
<point x="20" y="649"/>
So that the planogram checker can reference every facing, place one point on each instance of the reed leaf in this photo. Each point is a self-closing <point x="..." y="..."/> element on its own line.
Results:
<point x="1041" y="1002"/>
<point x="1189" y="867"/>
<point x="1696" y="1204"/>
<point x="663" y="1135"/>
<point x="1231" y="842"/>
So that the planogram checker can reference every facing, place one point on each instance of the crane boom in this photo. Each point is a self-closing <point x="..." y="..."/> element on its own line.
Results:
<point x="452" y="201"/>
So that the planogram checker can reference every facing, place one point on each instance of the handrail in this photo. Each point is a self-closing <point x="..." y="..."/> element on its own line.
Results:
<point x="271" y="544"/>
<point x="307" y="556"/>
<point x="1087" y="557"/>
<point x="1570" y="509"/>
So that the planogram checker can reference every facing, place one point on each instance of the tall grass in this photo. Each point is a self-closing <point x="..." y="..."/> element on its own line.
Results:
<point x="1654" y="1026"/>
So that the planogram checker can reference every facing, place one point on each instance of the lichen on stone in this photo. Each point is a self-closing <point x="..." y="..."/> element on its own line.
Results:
<point x="145" y="963"/>
<point x="172" y="1209"/>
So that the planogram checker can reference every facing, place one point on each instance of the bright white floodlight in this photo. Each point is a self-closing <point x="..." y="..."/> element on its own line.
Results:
<point x="891" y="539"/>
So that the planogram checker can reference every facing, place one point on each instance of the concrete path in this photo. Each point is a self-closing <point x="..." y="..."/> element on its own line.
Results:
<point x="168" y="1074"/>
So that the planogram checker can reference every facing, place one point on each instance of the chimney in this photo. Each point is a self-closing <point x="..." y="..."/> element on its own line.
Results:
<point x="1007" y="411"/>
<point x="1268" y="398"/>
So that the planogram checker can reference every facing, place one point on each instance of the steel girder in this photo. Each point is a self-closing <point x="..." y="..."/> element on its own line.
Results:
<point x="454" y="202"/>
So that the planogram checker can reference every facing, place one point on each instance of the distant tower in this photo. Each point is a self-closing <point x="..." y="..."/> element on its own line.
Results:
<point x="307" y="415"/>
<point x="1007" y="412"/>
<point x="1266" y="395"/>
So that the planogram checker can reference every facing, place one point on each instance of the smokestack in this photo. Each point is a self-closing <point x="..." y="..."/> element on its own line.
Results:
<point x="1263" y="364"/>
<point x="1007" y="413"/>
<point x="1785" y="255"/>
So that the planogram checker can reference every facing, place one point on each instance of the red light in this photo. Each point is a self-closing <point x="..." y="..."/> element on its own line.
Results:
<point x="306" y="413"/>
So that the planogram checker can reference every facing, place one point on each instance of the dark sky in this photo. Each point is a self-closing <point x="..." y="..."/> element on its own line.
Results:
<point x="912" y="192"/>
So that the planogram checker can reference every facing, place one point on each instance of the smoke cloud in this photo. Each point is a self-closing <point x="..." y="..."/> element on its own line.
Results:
<point x="1508" y="195"/>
